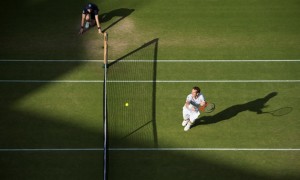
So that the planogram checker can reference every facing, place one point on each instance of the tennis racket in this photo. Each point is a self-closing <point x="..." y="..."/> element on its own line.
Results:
<point x="281" y="111"/>
<point x="208" y="107"/>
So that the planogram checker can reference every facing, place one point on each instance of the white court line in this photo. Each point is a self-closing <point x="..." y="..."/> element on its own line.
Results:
<point x="49" y="60"/>
<point x="207" y="81"/>
<point x="50" y="149"/>
<point x="200" y="61"/>
<point x="204" y="149"/>
<point x="165" y="61"/>
<point x="157" y="81"/>
<point x="51" y="81"/>
<point x="150" y="149"/>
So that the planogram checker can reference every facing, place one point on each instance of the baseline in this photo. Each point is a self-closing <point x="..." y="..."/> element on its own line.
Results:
<point x="157" y="81"/>
<point x="150" y="149"/>
<point x="162" y="60"/>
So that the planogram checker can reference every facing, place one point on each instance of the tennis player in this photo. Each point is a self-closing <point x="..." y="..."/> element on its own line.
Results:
<point x="90" y="17"/>
<point x="191" y="108"/>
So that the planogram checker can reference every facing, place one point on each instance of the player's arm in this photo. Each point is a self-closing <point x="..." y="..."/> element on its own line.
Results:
<point x="202" y="103"/>
<point x="98" y="24"/>
<point x="82" y="23"/>
<point x="202" y="100"/>
<point x="187" y="103"/>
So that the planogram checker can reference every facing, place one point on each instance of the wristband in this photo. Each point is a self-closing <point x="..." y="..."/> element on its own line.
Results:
<point x="81" y="27"/>
<point x="99" y="27"/>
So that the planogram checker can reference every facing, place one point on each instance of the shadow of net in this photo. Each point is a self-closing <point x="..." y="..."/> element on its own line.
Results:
<point x="131" y="91"/>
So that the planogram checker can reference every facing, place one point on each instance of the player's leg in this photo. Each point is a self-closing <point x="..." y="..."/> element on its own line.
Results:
<point x="87" y="17"/>
<point x="92" y="20"/>
<point x="87" y="21"/>
<point x="193" y="116"/>
<point x="186" y="116"/>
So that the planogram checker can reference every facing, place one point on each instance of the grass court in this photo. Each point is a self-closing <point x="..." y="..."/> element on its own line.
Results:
<point x="244" y="55"/>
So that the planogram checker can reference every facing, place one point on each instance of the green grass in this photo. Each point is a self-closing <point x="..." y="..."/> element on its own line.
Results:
<point x="69" y="115"/>
<point x="51" y="115"/>
<point x="242" y="128"/>
<point x="229" y="71"/>
<point x="204" y="165"/>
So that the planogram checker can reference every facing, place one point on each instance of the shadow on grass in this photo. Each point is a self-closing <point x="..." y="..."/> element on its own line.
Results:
<point x="174" y="165"/>
<point x="153" y="56"/>
<point x="47" y="36"/>
<point x="121" y="13"/>
<point x="25" y="129"/>
<point x="253" y="106"/>
<point x="138" y="119"/>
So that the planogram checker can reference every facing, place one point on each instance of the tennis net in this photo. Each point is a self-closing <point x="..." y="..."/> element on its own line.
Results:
<point x="131" y="89"/>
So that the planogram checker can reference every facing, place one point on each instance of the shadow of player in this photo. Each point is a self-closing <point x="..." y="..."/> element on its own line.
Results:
<point x="253" y="106"/>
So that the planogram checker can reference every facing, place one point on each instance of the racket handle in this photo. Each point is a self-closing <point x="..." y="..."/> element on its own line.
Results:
<point x="202" y="108"/>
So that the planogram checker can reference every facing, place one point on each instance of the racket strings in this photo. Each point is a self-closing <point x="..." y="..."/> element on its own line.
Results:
<point x="207" y="107"/>
<point x="210" y="107"/>
<point x="282" y="111"/>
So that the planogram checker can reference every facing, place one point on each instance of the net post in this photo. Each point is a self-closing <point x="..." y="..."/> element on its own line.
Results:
<point x="105" y="48"/>
<point x="105" y="109"/>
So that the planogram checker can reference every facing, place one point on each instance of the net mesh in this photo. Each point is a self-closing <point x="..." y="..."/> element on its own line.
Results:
<point x="131" y="80"/>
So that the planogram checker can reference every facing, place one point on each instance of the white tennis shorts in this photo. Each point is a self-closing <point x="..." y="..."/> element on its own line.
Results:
<point x="189" y="114"/>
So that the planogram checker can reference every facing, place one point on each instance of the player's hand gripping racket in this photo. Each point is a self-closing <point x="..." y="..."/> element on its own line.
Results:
<point x="208" y="107"/>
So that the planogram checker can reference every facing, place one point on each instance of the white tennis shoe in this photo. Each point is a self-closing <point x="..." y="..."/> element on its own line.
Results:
<point x="185" y="122"/>
<point x="188" y="126"/>
<point x="87" y="25"/>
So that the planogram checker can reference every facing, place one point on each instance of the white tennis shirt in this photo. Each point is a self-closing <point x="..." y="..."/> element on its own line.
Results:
<point x="195" y="102"/>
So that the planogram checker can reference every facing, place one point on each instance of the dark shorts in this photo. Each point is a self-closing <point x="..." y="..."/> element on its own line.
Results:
<point x="92" y="16"/>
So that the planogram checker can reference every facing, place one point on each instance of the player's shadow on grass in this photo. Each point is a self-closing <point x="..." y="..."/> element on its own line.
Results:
<point x="253" y="106"/>
<point x="121" y="13"/>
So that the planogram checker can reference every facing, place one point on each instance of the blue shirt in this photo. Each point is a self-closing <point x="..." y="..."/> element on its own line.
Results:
<point x="92" y="6"/>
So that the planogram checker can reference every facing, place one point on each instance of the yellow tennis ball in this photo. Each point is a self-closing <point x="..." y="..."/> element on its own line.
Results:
<point x="126" y="104"/>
